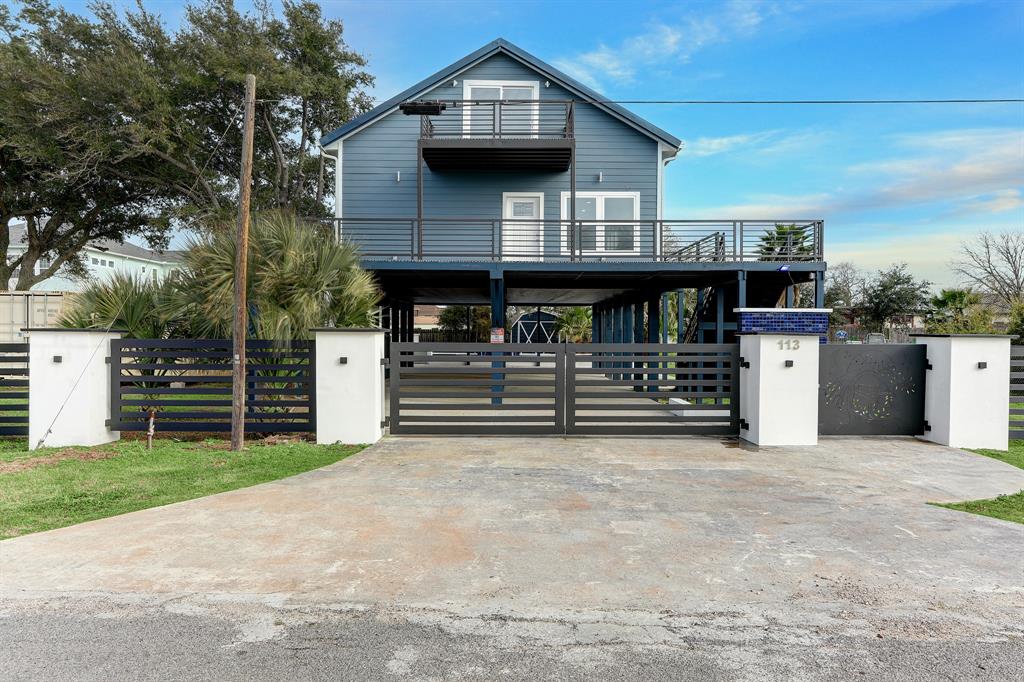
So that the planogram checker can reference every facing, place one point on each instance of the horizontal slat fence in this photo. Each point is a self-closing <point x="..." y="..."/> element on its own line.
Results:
<point x="476" y="388"/>
<point x="13" y="389"/>
<point x="1016" y="392"/>
<point x="188" y="383"/>
<point x="655" y="389"/>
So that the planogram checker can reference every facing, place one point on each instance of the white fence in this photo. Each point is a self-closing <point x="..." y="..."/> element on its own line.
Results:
<point x="20" y="309"/>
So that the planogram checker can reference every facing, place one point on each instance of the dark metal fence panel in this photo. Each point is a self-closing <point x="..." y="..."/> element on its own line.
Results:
<point x="476" y="388"/>
<point x="652" y="389"/>
<point x="871" y="390"/>
<point x="13" y="389"/>
<point x="188" y="383"/>
<point x="1016" y="392"/>
<point x="538" y="388"/>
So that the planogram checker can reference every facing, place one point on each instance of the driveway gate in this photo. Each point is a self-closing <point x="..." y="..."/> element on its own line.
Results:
<point x="514" y="389"/>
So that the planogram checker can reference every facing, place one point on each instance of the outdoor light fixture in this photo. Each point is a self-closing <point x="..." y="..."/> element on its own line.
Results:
<point x="982" y="365"/>
<point x="600" y="176"/>
<point x="398" y="176"/>
<point x="58" y="359"/>
<point x="789" y="363"/>
<point x="422" y="108"/>
<point x="783" y="268"/>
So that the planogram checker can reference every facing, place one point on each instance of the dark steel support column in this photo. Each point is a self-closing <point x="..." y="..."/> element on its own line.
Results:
<point x="789" y="295"/>
<point x="638" y="336"/>
<point x="664" y="317"/>
<point x="653" y="317"/>
<point x="819" y="289"/>
<point x="573" y="229"/>
<point x="497" y="320"/>
<point x="418" y="246"/>
<point x="741" y="289"/>
<point x="680" y="314"/>
<point x="595" y="323"/>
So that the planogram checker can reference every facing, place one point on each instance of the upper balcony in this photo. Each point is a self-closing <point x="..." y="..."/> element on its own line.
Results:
<point x="505" y="135"/>
<point x="564" y="241"/>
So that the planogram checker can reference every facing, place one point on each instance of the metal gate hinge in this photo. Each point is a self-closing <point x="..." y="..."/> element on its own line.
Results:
<point x="927" y="426"/>
<point x="744" y="425"/>
<point x="107" y="360"/>
<point x="383" y="362"/>
<point x="385" y="422"/>
<point x="744" y="363"/>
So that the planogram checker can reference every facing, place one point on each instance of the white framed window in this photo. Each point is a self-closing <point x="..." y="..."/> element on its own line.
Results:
<point x="610" y="222"/>
<point x="521" y="120"/>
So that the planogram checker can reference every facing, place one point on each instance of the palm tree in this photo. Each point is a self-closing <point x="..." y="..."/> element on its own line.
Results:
<point x="134" y="304"/>
<point x="786" y="243"/>
<point x="574" y="324"/>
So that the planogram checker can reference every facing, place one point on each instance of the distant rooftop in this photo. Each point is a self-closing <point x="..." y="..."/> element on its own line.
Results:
<point x="17" y="232"/>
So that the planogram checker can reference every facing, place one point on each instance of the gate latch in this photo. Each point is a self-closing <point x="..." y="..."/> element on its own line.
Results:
<point x="744" y="363"/>
<point x="744" y="425"/>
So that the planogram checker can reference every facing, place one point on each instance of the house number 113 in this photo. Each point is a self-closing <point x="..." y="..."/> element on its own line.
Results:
<point x="789" y="344"/>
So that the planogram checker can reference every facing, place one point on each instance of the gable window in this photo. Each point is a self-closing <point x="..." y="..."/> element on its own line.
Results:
<point x="517" y="115"/>
<point x="609" y="222"/>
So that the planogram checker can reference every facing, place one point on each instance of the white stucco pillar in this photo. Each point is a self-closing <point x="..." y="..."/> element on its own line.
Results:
<point x="967" y="390"/>
<point x="69" y="387"/>
<point x="349" y="385"/>
<point x="779" y="388"/>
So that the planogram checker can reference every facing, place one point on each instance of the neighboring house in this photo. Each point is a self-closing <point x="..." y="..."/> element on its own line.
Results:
<point x="102" y="259"/>
<point x="427" y="317"/>
<point x="501" y="180"/>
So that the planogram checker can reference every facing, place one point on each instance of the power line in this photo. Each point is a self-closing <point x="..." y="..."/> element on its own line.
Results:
<point x="802" y="101"/>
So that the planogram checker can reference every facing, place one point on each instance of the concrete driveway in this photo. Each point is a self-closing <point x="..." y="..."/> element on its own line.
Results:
<point x="478" y="558"/>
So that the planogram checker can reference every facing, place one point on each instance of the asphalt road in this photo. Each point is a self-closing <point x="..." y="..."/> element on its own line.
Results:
<point x="98" y="638"/>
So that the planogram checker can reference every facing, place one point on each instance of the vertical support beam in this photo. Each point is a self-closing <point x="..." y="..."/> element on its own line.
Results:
<point x="394" y="320"/>
<point x="638" y="336"/>
<point x="741" y="289"/>
<point x="699" y="338"/>
<point x="680" y="314"/>
<point x="595" y="323"/>
<point x="789" y="295"/>
<point x="664" y="317"/>
<point x="653" y="318"/>
<point x="819" y="289"/>
<point x="418" y="246"/>
<point x="719" y="314"/>
<point x="573" y="227"/>
<point x="497" y="320"/>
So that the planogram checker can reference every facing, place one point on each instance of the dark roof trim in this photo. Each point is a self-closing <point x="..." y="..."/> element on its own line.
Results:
<point x="502" y="45"/>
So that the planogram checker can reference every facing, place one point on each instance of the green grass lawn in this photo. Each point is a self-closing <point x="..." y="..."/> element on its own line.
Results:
<point x="1006" y="507"/>
<point x="56" y="487"/>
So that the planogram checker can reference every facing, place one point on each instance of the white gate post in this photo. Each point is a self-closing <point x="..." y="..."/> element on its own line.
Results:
<point x="967" y="390"/>
<point x="69" y="387"/>
<point x="349" y="385"/>
<point x="779" y="388"/>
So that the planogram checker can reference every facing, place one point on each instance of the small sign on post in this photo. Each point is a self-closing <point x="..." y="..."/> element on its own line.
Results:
<point x="497" y="335"/>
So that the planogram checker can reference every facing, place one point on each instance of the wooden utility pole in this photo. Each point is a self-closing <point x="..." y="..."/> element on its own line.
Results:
<point x="241" y="321"/>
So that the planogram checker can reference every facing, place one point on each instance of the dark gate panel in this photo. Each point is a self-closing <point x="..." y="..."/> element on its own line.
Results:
<point x="532" y="388"/>
<point x="652" y="389"/>
<point x="13" y="389"/>
<point x="871" y="390"/>
<point x="188" y="383"/>
<point x="1016" y="392"/>
<point x="463" y="388"/>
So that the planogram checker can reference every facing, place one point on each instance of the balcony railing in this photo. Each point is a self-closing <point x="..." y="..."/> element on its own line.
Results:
<point x="500" y="120"/>
<point x="507" y="240"/>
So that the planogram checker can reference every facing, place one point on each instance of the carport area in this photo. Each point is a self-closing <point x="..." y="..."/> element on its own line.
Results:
<point x="590" y="556"/>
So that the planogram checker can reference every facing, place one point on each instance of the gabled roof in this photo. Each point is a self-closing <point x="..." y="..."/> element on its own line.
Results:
<point x="17" y="238"/>
<point x="503" y="46"/>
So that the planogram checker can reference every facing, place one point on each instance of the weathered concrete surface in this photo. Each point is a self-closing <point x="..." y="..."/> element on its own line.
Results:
<point x="800" y="562"/>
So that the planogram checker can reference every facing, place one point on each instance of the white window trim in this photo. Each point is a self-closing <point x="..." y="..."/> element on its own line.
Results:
<point x="505" y="196"/>
<point x="467" y="86"/>
<point x="600" y="250"/>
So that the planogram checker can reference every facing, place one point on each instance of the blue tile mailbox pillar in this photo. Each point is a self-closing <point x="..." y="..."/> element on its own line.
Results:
<point x="784" y="320"/>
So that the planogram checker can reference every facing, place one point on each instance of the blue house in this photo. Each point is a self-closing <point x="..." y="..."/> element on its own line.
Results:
<point x="500" y="180"/>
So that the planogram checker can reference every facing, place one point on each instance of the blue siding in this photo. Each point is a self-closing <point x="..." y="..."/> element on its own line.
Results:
<point x="627" y="158"/>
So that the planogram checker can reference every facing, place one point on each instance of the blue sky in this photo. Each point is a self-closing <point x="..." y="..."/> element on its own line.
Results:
<point x="893" y="183"/>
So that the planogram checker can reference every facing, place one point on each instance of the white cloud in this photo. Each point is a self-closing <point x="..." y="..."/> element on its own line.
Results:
<point x="967" y="172"/>
<point x="931" y="263"/>
<point x="662" y="43"/>
<point x="764" y="142"/>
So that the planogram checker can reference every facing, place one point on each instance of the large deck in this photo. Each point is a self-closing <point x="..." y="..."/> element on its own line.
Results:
<point x="563" y="241"/>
